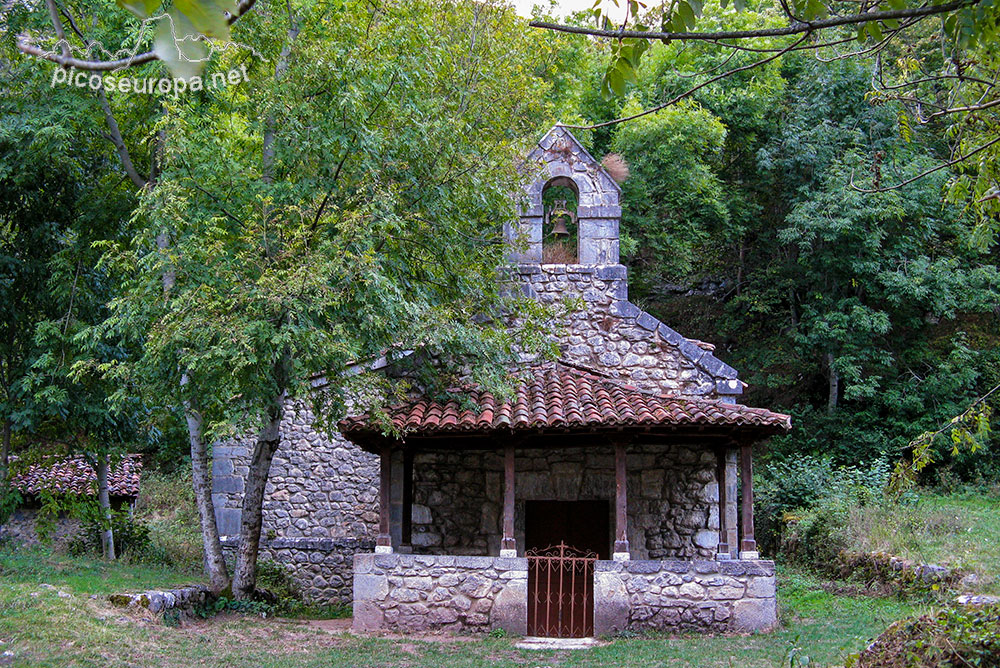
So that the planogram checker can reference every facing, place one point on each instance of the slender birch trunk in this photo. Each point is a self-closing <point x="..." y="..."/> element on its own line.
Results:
<point x="201" y="478"/>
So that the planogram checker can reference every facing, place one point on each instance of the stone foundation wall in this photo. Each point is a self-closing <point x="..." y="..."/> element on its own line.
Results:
<point x="672" y="497"/>
<point x="322" y="569"/>
<point x="21" y="528"/>
<point x="428" y="594"/>
<point x="719" y="596"/>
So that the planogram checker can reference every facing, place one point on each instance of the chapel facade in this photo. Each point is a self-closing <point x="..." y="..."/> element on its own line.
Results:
<point x="612" y="492"/>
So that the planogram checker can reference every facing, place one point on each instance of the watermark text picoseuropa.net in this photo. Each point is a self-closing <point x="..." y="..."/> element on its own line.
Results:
<point x="150" y="86"/>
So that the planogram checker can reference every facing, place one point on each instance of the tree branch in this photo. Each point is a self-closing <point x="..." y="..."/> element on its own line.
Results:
<point x="943" y="165"/>
<point x="796" y="28"/>
<point x="65" y="60"/>
<point x="688" y="92"/>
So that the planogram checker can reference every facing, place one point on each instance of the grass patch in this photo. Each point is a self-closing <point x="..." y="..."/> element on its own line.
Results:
<point x="961" y="531"/>
<point x="43" y="628"/>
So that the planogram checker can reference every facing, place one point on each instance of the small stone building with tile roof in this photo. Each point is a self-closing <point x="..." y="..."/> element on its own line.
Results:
<point x="611" y="492"/>
<point x="64" y="476"/>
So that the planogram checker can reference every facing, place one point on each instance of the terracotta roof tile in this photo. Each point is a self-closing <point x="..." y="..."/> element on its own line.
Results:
<point x="73" y="475"/>
<point x="556" y="395"/>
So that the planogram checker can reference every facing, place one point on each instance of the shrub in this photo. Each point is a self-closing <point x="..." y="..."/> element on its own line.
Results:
<point x="961" y="636"/>
<point x="166" y="505"/>
<point x="131" y="536"/>
<point x="803" y="505"/>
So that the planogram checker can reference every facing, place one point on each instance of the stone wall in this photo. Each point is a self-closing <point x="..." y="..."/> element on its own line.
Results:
<point x="320" y="505"/>
<point x="672" y="497"/>
<point x="613" y="335"/>
<point x="427" y="594"/>
<point x="182" y="601"/>
<point x="716" y="596"/>
<point x="444" y="593"/>
<point x="322" y="569"/>
<point x="21" y="528"/>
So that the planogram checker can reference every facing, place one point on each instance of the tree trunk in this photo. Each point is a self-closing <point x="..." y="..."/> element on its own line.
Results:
<point x="201" y="477"/>
<point x="245" y="577"/>
<point x="831" y="403"/>
<point x="107" y="534"/>
<point x="5" y="451"/>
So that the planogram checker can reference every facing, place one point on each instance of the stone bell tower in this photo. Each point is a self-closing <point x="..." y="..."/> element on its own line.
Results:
<point x="564" y="162"/>
<point x="610" y="335"/>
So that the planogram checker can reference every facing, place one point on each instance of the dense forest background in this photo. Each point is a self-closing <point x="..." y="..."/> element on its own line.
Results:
<point x="870" y="317"/>
<point x="132" y="225"/>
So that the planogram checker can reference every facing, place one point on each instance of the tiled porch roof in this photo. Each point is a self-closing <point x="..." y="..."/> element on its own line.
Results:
<point x="555" y="395"/>
<point x="73" y="475"/>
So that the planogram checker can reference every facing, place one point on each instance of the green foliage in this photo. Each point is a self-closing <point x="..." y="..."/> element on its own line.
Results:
<point x="166" y="506"/>
<point x="10" y="499"/>
<point x="131" y="536"/>
<point x="802" y="505"/>
<point x="672" y="201"/>
<point x="955" y="636"/>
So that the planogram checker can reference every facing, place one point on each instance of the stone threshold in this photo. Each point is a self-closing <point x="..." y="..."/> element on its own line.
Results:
<point x="538" y="643"/>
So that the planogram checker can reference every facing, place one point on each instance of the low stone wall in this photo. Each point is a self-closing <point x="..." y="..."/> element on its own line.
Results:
<point x="320" y="568"/>
<point x="716" y="596"/>
<point x="182" y="600"/>
<point x="21" y="528"/>
<point x="440" y="593"/>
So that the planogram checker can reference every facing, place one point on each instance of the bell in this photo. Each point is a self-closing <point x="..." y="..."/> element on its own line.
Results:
<point x="559" y="228"/>
<point x="559" y="213"/>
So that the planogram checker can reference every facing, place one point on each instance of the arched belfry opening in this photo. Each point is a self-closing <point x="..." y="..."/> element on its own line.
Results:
<point x="571" y="210"/>
<point x="560" y="221"/>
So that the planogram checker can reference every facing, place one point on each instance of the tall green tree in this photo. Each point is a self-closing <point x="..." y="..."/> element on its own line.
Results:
<point x="345" y="205"/>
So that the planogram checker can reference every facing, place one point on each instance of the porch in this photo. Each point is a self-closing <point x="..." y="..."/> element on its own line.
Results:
<point x="639" y="491"/>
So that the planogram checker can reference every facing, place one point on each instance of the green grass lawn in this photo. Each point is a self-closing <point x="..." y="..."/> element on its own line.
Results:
<point x="70" y="623"/>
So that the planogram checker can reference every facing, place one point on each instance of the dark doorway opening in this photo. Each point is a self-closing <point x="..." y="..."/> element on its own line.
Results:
<point x="563" y="539"/>
<point x="582" y="525"/>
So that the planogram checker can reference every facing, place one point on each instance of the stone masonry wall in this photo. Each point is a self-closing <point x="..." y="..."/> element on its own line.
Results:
<point x="320" y="505"/>
<point x="682" y="595"/>
<point x="672" y="497"/>
<point x="421" y="594"/>
<point x="613" y="335"/>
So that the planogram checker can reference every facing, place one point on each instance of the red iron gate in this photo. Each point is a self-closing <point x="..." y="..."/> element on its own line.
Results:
<point x="561" y="592"/>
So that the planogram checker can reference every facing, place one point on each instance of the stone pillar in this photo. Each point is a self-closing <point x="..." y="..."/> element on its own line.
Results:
<point x="598" y="231"/>
<point x="508" y="545"/>
<point x="383" y="544"/>
<point x="726" y="476"/>
<point x="621" y="505"/>
<point x="748" y="545"/>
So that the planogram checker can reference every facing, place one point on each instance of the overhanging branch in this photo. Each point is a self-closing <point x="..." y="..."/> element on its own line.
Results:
<point x="796" y="28"/>
<point x="25" y="45"/>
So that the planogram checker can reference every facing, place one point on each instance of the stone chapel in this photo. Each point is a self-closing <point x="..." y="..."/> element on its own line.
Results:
<point x="613" y="492"/>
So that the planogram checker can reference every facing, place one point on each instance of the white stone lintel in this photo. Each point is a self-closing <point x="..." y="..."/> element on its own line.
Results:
<point x="723" y="556"/>
<point x="750" y="556"/>
<point x="508" y="554"/>
<point x="621" y="556"/>
<point x="383" y="549"/>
